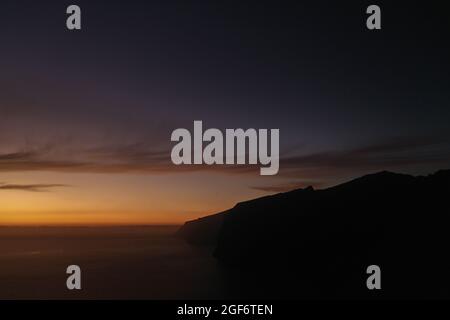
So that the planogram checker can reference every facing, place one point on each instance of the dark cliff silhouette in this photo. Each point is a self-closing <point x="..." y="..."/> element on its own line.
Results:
<point x="203" y="231"/>
<point x="319" y="243"/>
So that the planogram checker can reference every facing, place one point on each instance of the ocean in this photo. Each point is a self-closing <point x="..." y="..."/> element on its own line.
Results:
<point x="116" y="263"/>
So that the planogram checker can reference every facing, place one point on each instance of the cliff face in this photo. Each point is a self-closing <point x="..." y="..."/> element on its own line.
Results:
<point x="203" y="231"/>
<point x="396" y="221"/>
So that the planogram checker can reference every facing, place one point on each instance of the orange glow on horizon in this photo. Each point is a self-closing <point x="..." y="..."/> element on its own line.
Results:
<point x="93" y="218"/>
<point x="107" y="199"/>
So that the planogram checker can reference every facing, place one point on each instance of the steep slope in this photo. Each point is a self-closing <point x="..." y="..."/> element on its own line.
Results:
<point x="328" y="237"/>
<point x="202" y="231"/>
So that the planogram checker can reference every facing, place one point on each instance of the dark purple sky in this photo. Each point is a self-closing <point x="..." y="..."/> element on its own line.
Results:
<point x="347" y="100"/>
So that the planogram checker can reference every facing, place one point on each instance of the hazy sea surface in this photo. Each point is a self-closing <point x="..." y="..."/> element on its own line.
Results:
<point x="116" y="262"/>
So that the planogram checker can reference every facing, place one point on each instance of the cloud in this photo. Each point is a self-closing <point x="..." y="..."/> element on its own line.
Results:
<point x="136" y="158"/>
<point x="323" y="169"/>
<point x="288" y="186"/>
<point x="394" y="153"/>
<point x="29" y="187"/>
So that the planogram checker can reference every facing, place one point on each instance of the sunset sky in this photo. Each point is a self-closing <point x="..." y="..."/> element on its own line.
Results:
<point x="86" y="116"/>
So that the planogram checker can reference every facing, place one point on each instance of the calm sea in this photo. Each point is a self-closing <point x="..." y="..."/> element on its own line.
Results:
<point x="116" y="263"/>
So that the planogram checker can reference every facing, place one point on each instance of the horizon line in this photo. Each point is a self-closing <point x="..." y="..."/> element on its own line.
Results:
<point x="90" y="225"/>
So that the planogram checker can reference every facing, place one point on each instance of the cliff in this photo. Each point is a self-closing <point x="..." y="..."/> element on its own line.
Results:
<point x="329" y="237"/>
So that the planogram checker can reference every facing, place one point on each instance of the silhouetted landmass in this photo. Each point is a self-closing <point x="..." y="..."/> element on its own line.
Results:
<point x="203" y="231"/>
<point x="319" y="243"/>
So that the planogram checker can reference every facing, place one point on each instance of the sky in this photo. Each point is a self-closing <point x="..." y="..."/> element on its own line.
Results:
<point x="86" y="116"/>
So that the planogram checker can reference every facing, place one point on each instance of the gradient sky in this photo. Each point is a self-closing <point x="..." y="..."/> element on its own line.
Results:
<point x="86" y="116"/>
